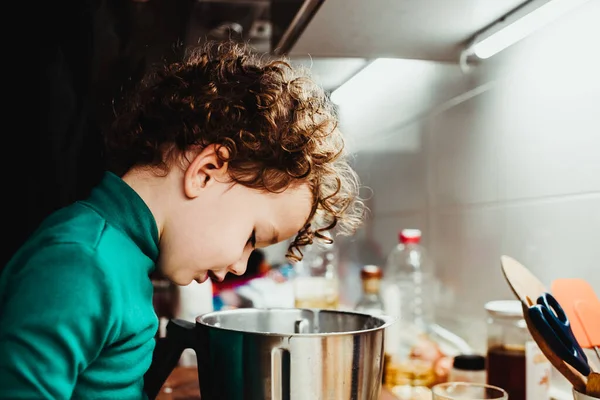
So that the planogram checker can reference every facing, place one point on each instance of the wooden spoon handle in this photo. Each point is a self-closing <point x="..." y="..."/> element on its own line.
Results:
<point x="592" y="388"/>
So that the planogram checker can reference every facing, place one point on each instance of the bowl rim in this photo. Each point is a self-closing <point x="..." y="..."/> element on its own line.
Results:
<point x="386" y="321"/>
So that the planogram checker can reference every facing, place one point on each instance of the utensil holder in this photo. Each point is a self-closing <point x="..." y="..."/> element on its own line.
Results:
<point x="580" y="396"/>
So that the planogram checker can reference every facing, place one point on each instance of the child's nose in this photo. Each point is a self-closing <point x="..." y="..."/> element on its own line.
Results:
<point x="239" y="267"/>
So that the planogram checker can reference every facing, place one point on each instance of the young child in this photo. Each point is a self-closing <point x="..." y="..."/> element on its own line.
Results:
<point x="214" y="157"/>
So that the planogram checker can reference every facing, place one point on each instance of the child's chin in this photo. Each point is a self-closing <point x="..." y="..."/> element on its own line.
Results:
<point x="181" y="279"/>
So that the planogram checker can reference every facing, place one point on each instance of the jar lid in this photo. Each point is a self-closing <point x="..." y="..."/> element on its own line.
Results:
<point x="504" y="308"/>
<point x="469" y="362"/>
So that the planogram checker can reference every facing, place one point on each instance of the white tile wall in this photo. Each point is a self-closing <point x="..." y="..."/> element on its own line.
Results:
<point x="464" y="162"/>
<point x="557" y="237"/>
<point x="514" y="170"/>
<point x="391" y="172"/>
<point x="549" y="140"/>
<point x="385" y="231"/>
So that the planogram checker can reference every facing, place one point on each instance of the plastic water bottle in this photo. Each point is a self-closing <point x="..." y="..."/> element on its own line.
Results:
<point x="408" y="295"/>
<point x="409" y="281"/>
<point x="419" y="351"/>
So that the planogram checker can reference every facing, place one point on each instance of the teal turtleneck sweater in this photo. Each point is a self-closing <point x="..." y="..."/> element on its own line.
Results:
<point x="76" y="314"/>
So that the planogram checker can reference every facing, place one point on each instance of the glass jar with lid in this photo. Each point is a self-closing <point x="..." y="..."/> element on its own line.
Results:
<point x="514" y="361"/>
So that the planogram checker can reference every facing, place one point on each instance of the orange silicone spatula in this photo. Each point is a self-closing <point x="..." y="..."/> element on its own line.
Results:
<point x="568" y="291"/>
<point x="588" y="314"/>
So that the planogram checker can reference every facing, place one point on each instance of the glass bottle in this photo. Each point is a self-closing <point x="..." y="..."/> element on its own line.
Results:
<point x="315" y="279"/>
<point x="468" y="368"/>
<point x="514" y="361"/>
<point x="371" y="301"/>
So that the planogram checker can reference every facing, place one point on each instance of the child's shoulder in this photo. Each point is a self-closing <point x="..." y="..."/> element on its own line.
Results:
<point x="77" y="225"/>
<point x="81" y="237"/>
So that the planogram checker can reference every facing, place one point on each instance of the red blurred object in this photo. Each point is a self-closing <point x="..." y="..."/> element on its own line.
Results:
<point x="257" y="267"/>
<point x="409" y="236"/>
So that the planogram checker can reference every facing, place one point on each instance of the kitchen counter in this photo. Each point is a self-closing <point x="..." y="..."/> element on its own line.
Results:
<point x="182" y="384"/>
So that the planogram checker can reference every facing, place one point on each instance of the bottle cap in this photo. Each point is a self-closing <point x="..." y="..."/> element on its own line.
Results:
<point x="469" y="362"/>
<point x="409" y="236"/>
<point x="370" y="272"/>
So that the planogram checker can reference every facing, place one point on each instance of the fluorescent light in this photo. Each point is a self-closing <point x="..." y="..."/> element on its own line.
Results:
<point x="382" y="78"/>
<point x="366" y="77"/>
<point x="522" y="27"/>
<point x="382" y="96"/>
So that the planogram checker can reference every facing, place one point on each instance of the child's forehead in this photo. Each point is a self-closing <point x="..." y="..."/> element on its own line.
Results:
<point x="293" y="205"/>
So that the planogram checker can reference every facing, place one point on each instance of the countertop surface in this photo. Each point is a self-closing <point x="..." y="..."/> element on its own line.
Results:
<point x="182" y="384"/>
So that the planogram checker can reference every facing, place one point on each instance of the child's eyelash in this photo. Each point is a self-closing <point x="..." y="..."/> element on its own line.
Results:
<point x="252" y="239"/>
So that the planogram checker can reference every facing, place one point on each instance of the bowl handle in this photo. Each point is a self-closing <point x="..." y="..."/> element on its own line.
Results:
<point x="280" y="374"/>
<point x="180" y="336"/>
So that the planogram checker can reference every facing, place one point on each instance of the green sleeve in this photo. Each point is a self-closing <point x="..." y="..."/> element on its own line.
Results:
<point x="55" y="318"/>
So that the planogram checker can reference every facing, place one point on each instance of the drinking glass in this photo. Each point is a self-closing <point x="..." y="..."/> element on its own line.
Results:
<point x="315" y="282"/>
<point x="468" y="391"/>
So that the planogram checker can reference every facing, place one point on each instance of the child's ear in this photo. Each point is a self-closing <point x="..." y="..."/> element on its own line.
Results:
<point x="205" y="169"/>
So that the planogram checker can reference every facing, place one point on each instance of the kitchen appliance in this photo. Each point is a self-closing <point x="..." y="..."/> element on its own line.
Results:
<point x="277" y="354"/>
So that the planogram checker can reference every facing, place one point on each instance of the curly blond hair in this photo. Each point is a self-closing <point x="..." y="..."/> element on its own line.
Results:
<point x="278" y="125"/>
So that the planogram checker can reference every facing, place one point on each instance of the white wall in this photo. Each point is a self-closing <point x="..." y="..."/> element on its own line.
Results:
<point x="513" y="170"/>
